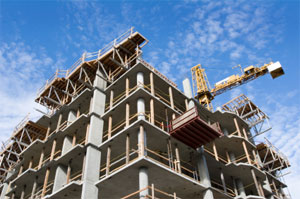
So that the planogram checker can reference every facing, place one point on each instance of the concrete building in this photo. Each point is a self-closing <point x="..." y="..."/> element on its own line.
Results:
<point x="118" y="128"/>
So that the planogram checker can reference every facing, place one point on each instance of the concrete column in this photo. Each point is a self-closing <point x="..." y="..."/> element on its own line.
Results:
<point x="240" y="187"/>
<point x="204" y="174"/>
<point x="143" y="182"/>
<point x="34" y="186"/>
<point x="223" y="180"/>
<point x="152" y="83"/>
<point x="142" y="139"/>
<point x="60" y="177"/>
<point x="67" y="144"/>
<point x="234" y="186"/>
<point x="141" y="109"/>
<point x="231" y="156"/>
<point x="171" y="97"/>
<point x="225" y="131"/>
<point x="187" y="89"/>
<point x="93" y="155"/>
<point x="5" y="186"/>
<point x="140" y="79"/>
<point x="71" y="117"/>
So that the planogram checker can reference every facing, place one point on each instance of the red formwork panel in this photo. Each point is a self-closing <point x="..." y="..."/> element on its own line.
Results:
<point x="190" y="129"/>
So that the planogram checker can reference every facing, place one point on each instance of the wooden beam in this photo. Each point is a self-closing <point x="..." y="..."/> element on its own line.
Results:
<point x="237" y="127"/>
<point x="41" y="158"/>
<point x="111" y="100"/>
<point x="68" y="173"/>
<point x="127" y="148"/>
<point x="53" y="149"/>
<point x="178" y="159"/>
<point x="74" y="139"/>
<point x="127" y="114"/>
<point x="151" y="83"/>
<point x="246" y="151"/>
<point x="45" y="182"/>
<point x="109" y="126"/>
<point x="127" y="87"/>
<point x="152" y="111"/>
<point x="108" y="160"/>
<point x="215" y="151"/>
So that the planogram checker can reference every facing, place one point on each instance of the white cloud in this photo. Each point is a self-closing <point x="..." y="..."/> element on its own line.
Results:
<point x="21" y="73"/>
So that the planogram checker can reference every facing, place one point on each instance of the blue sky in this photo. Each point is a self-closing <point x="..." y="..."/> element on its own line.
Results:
<point x="37" y="37"/>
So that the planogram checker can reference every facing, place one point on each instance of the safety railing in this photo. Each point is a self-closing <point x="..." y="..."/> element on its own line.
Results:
<point x="153" y="193"/>
<point x="180" y="166"/>
<point x="85" y="57"/>
<point x="118" y="162"/>
<point x="219" y="186"/>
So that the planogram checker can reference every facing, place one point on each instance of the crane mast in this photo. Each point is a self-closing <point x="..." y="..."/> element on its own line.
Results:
<point x="205" y="94"/>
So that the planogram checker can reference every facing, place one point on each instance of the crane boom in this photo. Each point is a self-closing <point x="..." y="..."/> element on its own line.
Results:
<point x="205" y="95"/>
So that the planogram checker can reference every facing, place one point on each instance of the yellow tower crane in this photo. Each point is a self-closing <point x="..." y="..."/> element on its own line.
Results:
<point x="205" y="94"/>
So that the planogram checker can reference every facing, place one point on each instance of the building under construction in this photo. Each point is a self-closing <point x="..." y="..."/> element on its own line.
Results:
<point x="118" y="128"/>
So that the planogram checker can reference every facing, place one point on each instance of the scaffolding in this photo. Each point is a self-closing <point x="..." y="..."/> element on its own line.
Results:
<point x="113" y="60"/>
<point x="23" y="135"/>
<point x="243" y="107"/>
<point x="272" y="159"/>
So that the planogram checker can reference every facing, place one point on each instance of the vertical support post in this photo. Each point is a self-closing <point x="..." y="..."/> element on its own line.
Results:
<point x="151" y="83"/>
<point x="227" y="156"/>
<point x="68" y="173"/>
<point x="178" y="159"/>
<point x="59" y="121"/>
<point x="246" y="152"/>
<point x="255" y="159"/>
<point x="141" y="139"/>
<point x="127" y="148"/>
<point x="223" y="181"/>
<point x="260" y="188"/>
<point x="241" y="188"/>
<point x="234" y="186"/>
<point x="53" y="149"/>
<point x="34" y="186"/>
<point x="21" y="170"/>
<point x="41" y="158"/>
<point x="127" y="114"/>
<point x="152" y="111"/>
<point x="30" y="163"/>
<point x="23" y="192"/>
<point x="275" y="188"/>
<point x="171" y="97"/>
<point x="215" y="151"/>
<point x="237" y="127"/>
<point x="143" y="182"/>
<point x="186" y="104"/>
<point x="109" y="126"/>
<point x="108" y="160"/>
<point x="45" y="182"/>
<point x="48" y="131"/>
<point x="255" y="182"/>
<point x="245" y="134"/>
<point x="78" y="112"/>
<point x="111" y="101"/>
<point x="203" y="173"/>
<point x="74" y="140"/>
<point x="127" y="87"/>
<point x="152" y="191"/>
<point x="94" y="138"/>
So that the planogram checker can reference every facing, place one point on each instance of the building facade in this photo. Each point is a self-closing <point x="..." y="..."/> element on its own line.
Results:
<point x="118" y="128"/>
